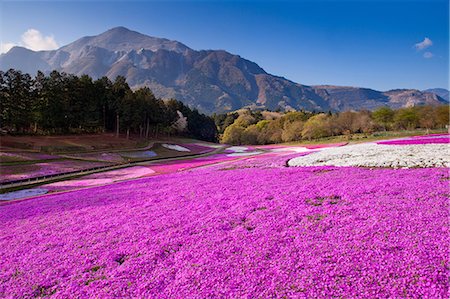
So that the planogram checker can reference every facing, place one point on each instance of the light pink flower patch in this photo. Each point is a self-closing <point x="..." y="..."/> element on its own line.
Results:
<point x="102" y="178"/>
<point x="192" y="163"/>
<point x="270" y="146"/>
<point x="198" y="148"/>
<point x="77" y="183"/>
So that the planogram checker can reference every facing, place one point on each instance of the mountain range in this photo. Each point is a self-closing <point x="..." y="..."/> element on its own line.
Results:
<point x="442" y="92"/>
<point x="209" y="80"/>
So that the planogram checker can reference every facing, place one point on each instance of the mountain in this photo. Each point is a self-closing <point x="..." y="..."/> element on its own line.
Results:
<point x="210" y="80"/>
<point x="340" y="98"/>
<point x="442" y="92"/>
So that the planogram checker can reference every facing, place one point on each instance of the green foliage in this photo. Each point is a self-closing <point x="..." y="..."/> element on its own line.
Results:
<point x="292" y="131"/>
<point x="271" y="132"/>
<point x="233" y="135"/>
<point x="426" y="117"/>
<point x="16" y="99"/>
<point x="250" y="135"/>
<point x="296" y="116"/>
<point x="245" y="120"/>
<point x="383" y="116"/>
<point x="406" y="118"/>
<point x="255" y="127"/>
<point x="442" y="114"/>
<point x="316" y="127"/>
<point x="222" y="121"/>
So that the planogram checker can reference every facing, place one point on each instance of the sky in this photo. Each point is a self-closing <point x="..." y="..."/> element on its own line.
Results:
<point x="367" y="43"/>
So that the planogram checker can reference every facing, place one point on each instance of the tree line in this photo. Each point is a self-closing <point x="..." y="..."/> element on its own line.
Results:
<point x="61" y="103"/>
<point x="256" y="127"/>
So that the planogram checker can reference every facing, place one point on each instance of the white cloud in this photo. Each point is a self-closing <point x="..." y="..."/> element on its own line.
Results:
<point x="5" y="47"/>
<point x="428" y="55"/>
<point x="424" y="44"/>
<point x="32" y="39"/>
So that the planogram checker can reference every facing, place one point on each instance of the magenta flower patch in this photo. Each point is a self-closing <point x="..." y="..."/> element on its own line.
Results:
<point x="245" y="229"/>
<point x="427" y="139"/>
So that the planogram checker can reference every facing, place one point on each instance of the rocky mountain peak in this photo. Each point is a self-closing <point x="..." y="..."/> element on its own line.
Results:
<point x="209" y="80"/>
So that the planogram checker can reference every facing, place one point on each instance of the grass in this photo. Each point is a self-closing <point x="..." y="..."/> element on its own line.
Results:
<point x="8" y="159"/>
<point x="27" y="162"/>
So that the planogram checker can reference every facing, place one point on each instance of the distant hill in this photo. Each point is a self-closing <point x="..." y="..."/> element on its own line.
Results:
<point x="442" y="92"/>
<point x="354" y="98"/>
<point x="209" y="80"/>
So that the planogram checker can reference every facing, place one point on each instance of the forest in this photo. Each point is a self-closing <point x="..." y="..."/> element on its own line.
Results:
<point x="61" y="103"/>
<point x="265" y="127"/>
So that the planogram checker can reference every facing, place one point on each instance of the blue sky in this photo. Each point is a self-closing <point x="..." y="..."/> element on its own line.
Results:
<point x="356" y="43"/>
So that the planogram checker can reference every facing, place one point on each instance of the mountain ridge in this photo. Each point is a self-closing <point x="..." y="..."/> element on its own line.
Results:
<point x="209" y="80"/>
<point x="442" y="92"/>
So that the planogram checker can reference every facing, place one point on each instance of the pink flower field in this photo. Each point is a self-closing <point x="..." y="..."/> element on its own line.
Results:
<point x="175" y="166"/>
<point x="247" y="228"/>
<point x="426" y="139"/>
<point x="101" y="178"/>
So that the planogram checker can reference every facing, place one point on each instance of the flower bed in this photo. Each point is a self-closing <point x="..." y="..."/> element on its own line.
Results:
<point x="139" y="154"/>
<point x="179" y="165"/>
<point x="26" y="171"/>
<point x="243" y="154"/>
<point x="376" y="155"/>
<point x="106" y="157"/>
<point x="25" y="156"/>
<point x="239" y="149"/>
<point x="175" y="147"/>
<point x="198" y="148"/>
<point x="325" y="145"/>
<point x="295" y="149"/>
<point x="440" y="135"/>
<point x="23" y="193"/>
<point x="101" y="178"/>
<point x="418" y="140"/>
<point x="242" y="233"/>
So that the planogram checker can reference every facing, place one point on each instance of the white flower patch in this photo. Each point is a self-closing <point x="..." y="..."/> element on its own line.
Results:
<point x="211" y="145"/>
<point x="242" y="154"/>
<point x="176" y="147"/>
<point x="295" y="149"/>
<point x="237" y="149"/>
<point x="377" y="155"/>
